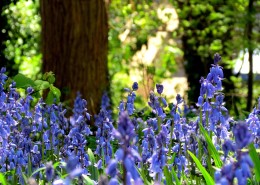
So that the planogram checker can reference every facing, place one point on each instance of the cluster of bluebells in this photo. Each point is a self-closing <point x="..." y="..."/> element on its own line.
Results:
<point x="103" y="122"/>
<point x="32" y="136"/>
<point x="159" y="158"/>
<point x="157" y="103"/>
<point x="253" y="122"/>
<point x="241" y="167"/>
<point x="215" y="117"/>
<point x="129" y="105"/>
<point x="126" y="154"/>
<point x="180" y="136"/>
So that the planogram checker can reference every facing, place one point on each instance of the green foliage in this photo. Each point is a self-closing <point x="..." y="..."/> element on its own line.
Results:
<point x="133" y="24"/>
<point x="256" y="160"/>
<point x="204" y="172"/>
<point x="207" y="28"/>
<point x="92" y="170"/>
<point x="211" y="148"/>
<point x="23" y="46"/>
<point x="23" y="82"/>
<point x="2" y="179"/>
<point x="87" y="180"/>
<point x="46" y="84"/>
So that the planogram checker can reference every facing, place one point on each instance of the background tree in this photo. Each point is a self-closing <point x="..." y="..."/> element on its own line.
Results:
<point x="22" y="48"/>
<point x="4" y="28"/>
<point x="207" y="28"/>
<point x="249" y="35"/>
<point x="74" y="47"/>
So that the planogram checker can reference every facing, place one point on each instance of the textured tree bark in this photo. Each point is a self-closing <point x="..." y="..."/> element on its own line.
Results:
<point x="74" y="46"/>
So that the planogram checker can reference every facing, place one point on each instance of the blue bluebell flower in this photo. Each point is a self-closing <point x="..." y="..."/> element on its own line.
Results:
<point x="135" y="86"/>
<point x="104" y="135"/>
<point x="49" y="171"/>
<point x="148" y="143"/>
<point x="159" y="88"/>
<point x="129" y="105"/>
<point x="242" y="135"/>
<point x="155" y="104"/>
<point x="125" y="133"/>
<point x="159" y="157"/>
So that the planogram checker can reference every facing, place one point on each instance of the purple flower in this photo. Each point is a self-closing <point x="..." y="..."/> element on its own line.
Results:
<point x="242" y="135"/>
<point x="113" y="181"/>
<point x="227" y="147"/>
<point x="206" y="88"/>
<point x="125" y="133"/>
<point x="135" y="86"/>
<point x="111" y="169"/>
<point x="217" y="58"/>
<point x="159" y="88"/>
<point x="49" y="171"/>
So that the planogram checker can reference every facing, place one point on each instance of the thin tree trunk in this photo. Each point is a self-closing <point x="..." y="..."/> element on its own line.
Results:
<point x="250" y="58"/>
<point x="74" y="46"/>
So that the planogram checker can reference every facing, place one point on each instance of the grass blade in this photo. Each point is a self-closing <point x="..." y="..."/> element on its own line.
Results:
<point x="87" y="180"/>
<point x="143" y="176"/>
<point x="204" y="172"/>
<point x="212" y="150"/>
<point x="255" y="158"/>
<point x="175" y="177"/>
<point x="2" y="179"/>
<point x="167" y="174"/>
<point x="92" y="169"/>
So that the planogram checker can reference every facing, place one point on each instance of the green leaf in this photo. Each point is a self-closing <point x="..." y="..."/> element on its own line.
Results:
<point x="23" y="81"/>
<point x="38" y="170"/>
<point x="2" y="179"/>
<point x="92" y="169"/>
<point x="55" y="91"/>
<point x="204" y="172"/>
<point x="255" y="158"/>
<point x="87" y="180"/>
<point x="143" y="176"/>
<point x="53" y="95"/>
<point x="176" y="177"/>
<point x="50" y="98"/>
<point x="212" y="150"/>
<point x="168" y="176"/>
<point x="55" y="165"/>
<point x="49" y="76"/>
<point x="41" y="85"/>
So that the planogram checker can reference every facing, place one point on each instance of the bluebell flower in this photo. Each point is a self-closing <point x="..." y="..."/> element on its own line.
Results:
<point x="227" y="147"/>
<point x="155" y="104"/>
<point x="217" y="58"/>
<point x="153" y="123"/>
<point x="159" y="157"/>
<point x="73" y="167"/>
<point x="125" y="133"/>
<point x="159" y="88"/>
<point x="253" y="122"/>
<point x="241" y="168"/>
<point x="111" y="169"/>
<point x="49" y="171"/>
<point x="242" y="135"/>
<point x="129" y="105"/>
<point x="104" y="135"/>
<point x="113" y="181"/>
<point x="135" y="86"/>
<point x="148" y="143"/>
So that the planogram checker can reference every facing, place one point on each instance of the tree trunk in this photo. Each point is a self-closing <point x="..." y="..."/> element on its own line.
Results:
<point x="74" y="46"/>
<point x="249" y="32"/>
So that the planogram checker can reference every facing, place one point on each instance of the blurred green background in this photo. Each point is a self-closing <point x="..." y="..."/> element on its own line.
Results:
<point x="155" y="41"/>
